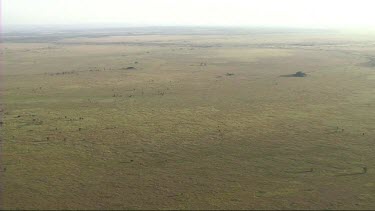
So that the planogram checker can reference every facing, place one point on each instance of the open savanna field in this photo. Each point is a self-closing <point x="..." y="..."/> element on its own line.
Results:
<point x="177" y="120"/>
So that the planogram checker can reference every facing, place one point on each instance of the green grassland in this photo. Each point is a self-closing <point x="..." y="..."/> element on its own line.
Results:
<point x="202" y="122"/>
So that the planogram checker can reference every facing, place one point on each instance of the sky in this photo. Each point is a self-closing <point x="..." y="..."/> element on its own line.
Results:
<point x="290" y="13"/>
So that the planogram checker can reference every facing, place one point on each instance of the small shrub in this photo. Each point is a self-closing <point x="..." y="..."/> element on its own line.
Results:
<point x="300" y="74"/>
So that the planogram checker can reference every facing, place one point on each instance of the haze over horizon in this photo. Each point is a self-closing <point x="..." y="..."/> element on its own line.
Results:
<point x="265" y="13"/>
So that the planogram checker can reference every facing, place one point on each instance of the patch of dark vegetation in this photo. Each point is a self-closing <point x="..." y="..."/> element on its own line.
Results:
<point x="64" y="73"/>
<point x="95" y="69"/>
<point x="298" y="74"/>
<point x="128" y="68"/>
<point x="302" y="171"/>
<point x="229" y="74"/>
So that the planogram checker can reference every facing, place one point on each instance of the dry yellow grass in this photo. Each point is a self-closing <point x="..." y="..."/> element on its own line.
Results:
<point x="178" y="132"/>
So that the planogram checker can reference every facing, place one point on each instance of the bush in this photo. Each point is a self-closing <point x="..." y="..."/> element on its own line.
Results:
<point x="300" y="74"/>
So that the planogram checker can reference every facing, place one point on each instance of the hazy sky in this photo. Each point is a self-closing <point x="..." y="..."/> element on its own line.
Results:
<point x="307" y="13"/>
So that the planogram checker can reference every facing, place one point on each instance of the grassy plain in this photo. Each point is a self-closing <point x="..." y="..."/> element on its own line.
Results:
<point x="205" y="121"/>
